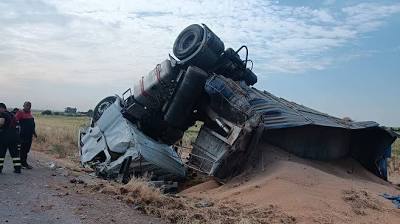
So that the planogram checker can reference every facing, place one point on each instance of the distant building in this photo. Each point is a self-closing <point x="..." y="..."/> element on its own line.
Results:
<point x="70" y="110"/>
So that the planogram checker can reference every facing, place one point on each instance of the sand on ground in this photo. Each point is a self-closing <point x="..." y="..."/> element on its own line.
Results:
<point x="312" y="191"/>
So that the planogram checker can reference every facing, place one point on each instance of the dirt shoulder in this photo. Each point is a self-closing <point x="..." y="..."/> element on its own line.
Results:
<point x="45" y="195"/>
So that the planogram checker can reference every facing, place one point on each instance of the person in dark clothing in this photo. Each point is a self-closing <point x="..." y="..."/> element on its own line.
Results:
<point x="14" y="111"/>
<point x="8" y="138"/>
<point x="27" y="131"/>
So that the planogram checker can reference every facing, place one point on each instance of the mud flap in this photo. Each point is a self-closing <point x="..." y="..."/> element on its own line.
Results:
<point x="124" y="172"/>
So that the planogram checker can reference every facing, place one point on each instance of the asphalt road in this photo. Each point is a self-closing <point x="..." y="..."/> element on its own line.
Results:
<point x="31" y="198"/>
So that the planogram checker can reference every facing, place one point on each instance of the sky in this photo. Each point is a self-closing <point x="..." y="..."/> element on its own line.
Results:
<point x="339" y="57"/>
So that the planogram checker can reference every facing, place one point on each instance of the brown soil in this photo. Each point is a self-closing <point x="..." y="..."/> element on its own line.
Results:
<point x="311" y="191"/>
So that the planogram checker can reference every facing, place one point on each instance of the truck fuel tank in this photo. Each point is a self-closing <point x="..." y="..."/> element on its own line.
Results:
<point x="154" y="89"/>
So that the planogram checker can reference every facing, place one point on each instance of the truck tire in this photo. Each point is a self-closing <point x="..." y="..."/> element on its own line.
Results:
<point x="199" y="46"/>
<point x="102" y="106"/>
<point x="188" y="41"/>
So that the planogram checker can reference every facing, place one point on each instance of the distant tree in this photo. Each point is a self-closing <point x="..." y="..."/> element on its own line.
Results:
<point x="70" y="110"/>
<point x="347" y="119"/>
<point x="89" y="113"/>
<point x="47" y="112"/>
<point x="57" y="113"/>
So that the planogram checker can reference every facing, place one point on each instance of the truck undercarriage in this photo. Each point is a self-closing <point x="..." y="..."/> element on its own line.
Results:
<point x="134" y="134"/>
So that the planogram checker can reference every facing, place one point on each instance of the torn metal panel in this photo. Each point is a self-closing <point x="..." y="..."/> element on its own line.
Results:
<point x="208" y="151"/>
<point x="211" y="154"/>
<point x="279" y="113"/>
<point x="92" y="143"/>
<point x="115" y="129"/>
<point x="219" y="149"/>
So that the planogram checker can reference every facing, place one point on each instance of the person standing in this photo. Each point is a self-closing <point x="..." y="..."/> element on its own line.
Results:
<point x="8" y="138"/>
<point x="27" y="131"/>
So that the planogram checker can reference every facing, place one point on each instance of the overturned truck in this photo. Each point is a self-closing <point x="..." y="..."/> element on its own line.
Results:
<point x="135" y="133"/>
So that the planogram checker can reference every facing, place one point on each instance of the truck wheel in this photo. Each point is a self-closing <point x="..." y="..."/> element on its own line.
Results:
<point x="102" y="106"/>
<point x="199" y="46"/>
<point x="188" y="41"/>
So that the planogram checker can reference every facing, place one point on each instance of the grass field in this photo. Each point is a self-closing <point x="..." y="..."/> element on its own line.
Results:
<point x="394" y="162"/>
<point x="58" y="135"/>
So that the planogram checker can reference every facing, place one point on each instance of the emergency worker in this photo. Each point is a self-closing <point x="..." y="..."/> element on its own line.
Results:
<point x="8" y="138"/>
<point x="27" y="131"/>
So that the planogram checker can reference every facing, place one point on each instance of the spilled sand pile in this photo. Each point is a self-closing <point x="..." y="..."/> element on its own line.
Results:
<point x="175" y="209"/>
<point x="310" y="191"/>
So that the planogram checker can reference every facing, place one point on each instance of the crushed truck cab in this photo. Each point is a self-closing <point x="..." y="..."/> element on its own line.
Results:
<point x="115" y="147"/>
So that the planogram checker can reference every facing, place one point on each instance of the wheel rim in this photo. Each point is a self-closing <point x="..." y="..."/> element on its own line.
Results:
<point x="188" y="41"/>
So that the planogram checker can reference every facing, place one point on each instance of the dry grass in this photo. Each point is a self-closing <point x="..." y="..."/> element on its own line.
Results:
<point x="177" y="209"/>
<point x="360" y="201"/>
<point x="394" y="162"/>
<point x="58" y="135"/>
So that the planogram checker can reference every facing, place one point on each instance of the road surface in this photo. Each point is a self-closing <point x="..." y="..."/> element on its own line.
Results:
<point x="44" y="195"/>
